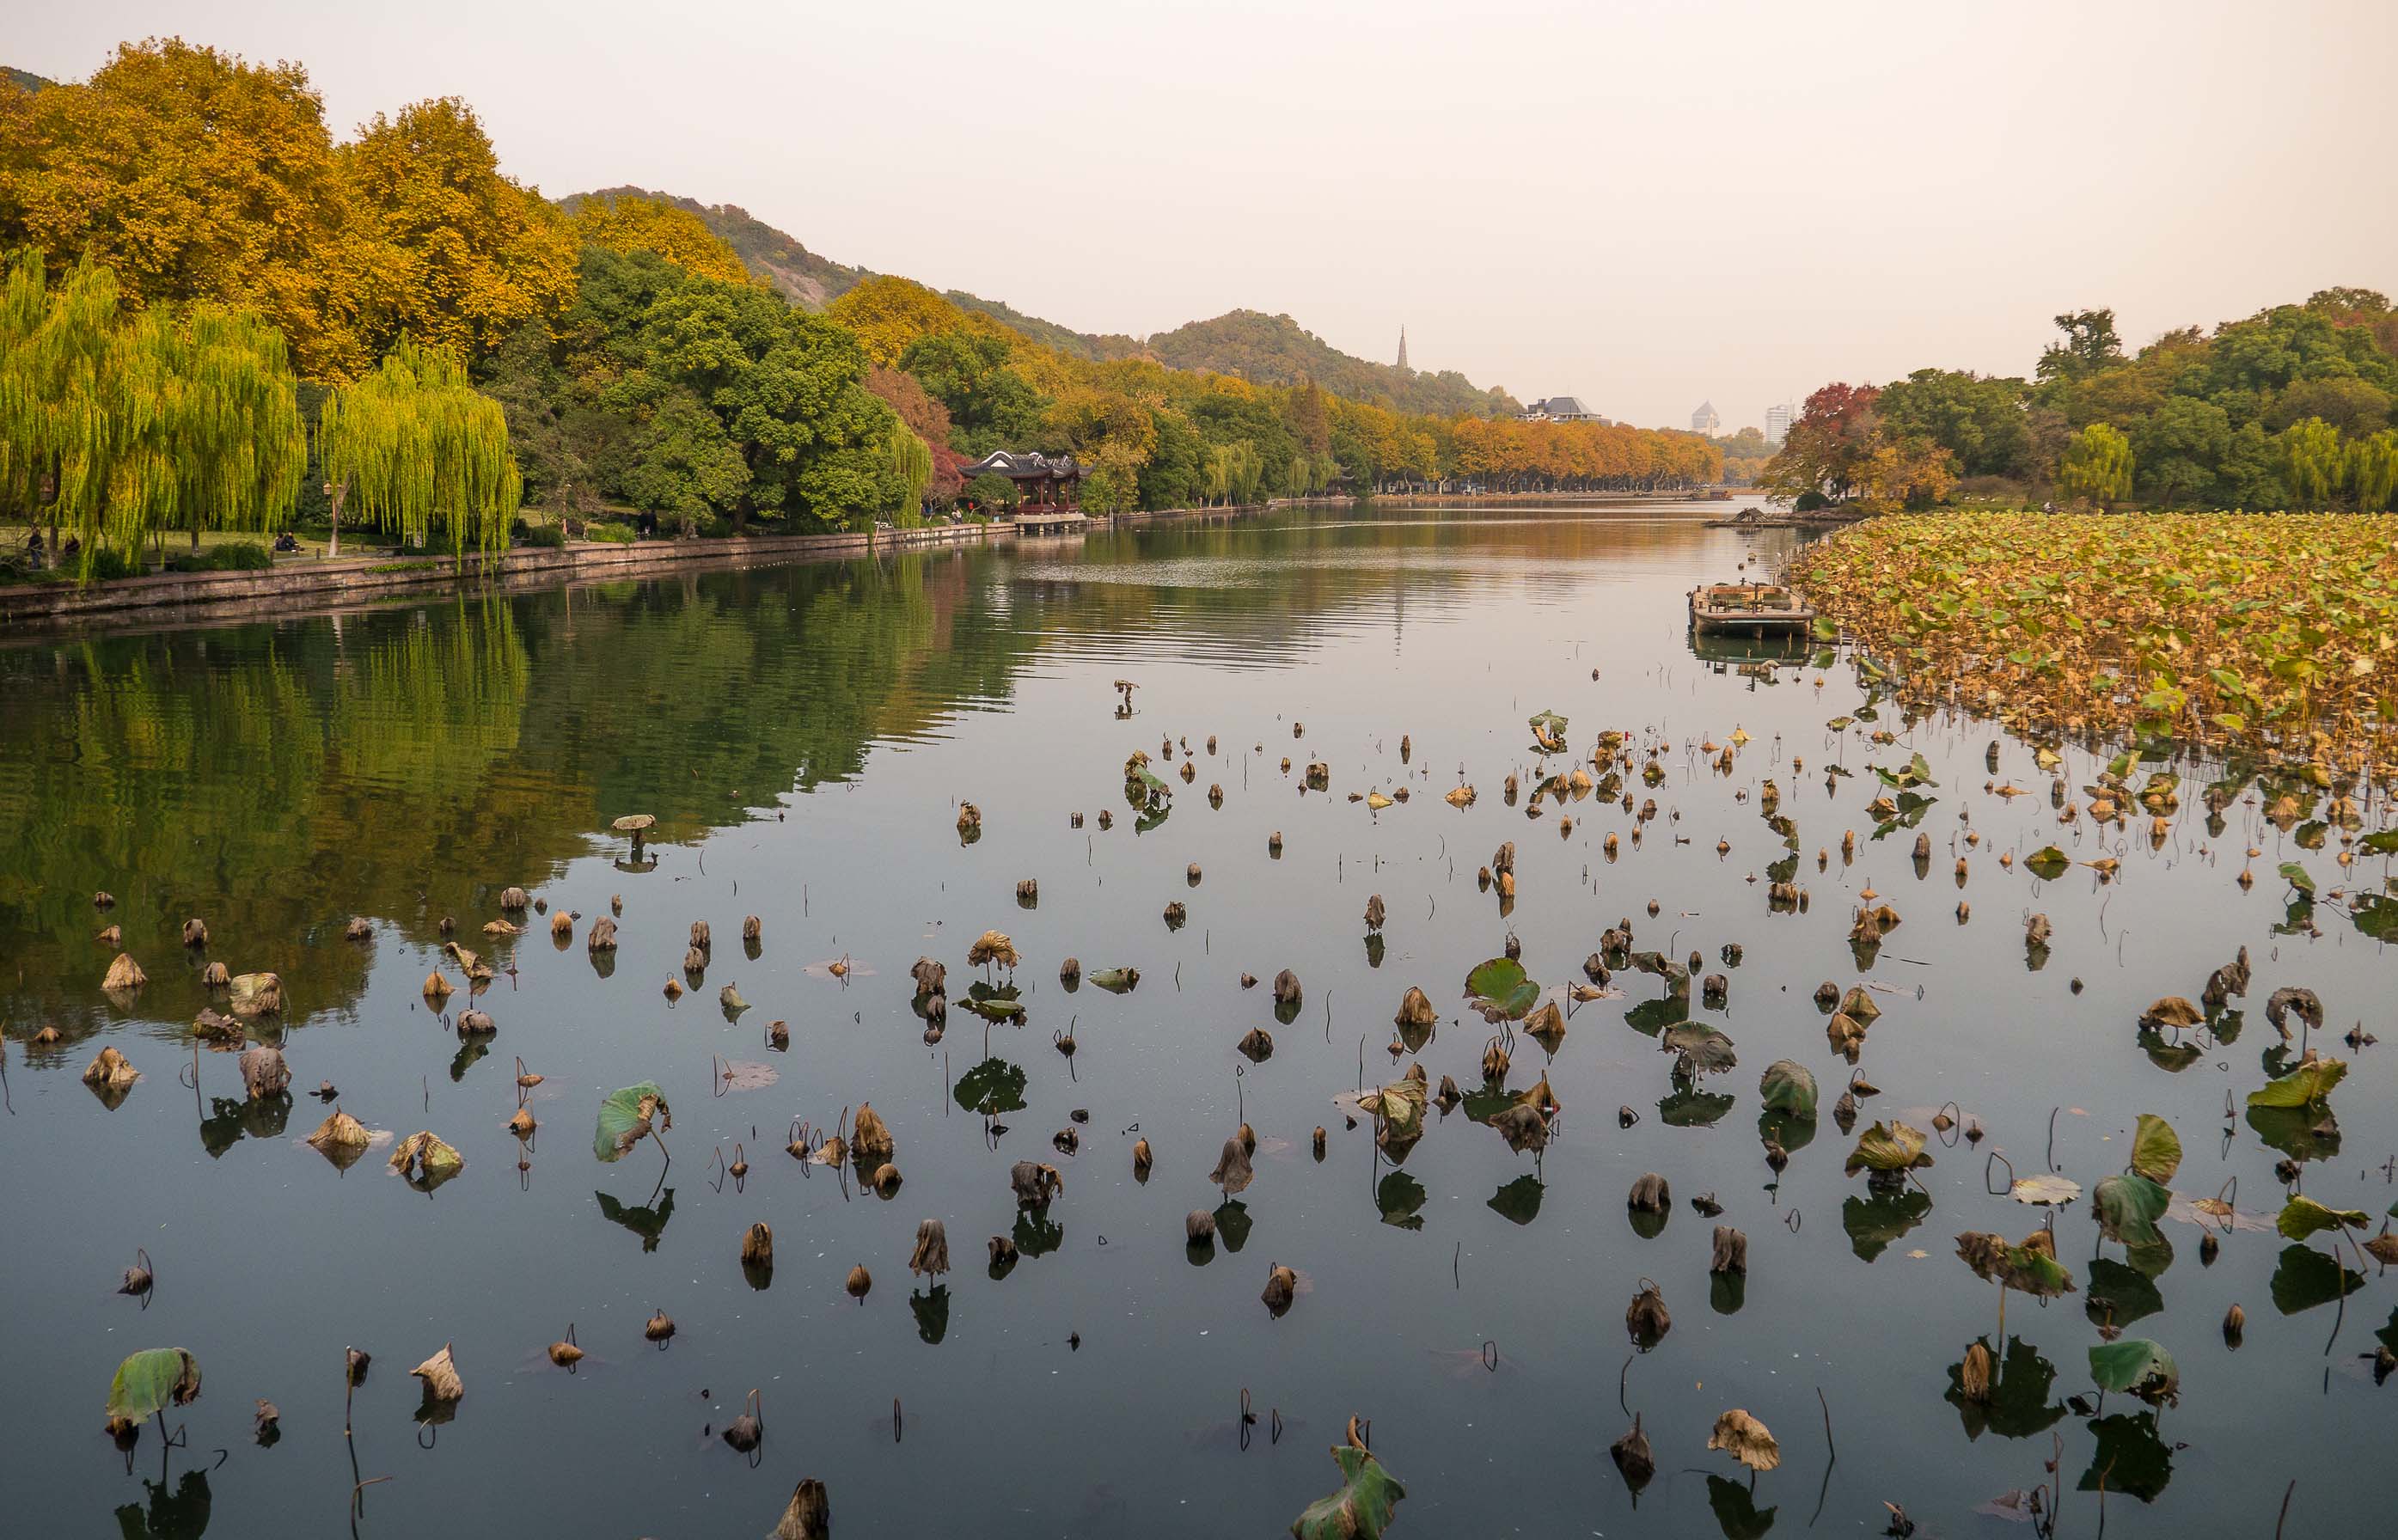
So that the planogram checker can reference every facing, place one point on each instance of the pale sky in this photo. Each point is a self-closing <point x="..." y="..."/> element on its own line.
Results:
<point x="1639" y="203"/>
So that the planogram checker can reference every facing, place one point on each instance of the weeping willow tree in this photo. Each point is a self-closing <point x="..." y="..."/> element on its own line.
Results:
<point x="116" y="426"/>
<point x="911" y="466"/>
<point x="425" y="451"/>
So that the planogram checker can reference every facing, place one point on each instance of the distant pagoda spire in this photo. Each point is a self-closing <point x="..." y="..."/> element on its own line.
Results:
<point x="1402" y="347"/>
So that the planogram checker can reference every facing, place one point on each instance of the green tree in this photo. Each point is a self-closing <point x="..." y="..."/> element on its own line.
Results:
<point x="2314" y="464"/>
<point x="2372" y="471"/>
<point x="991" y="406"/>
<point x="422" y="450"/>
<point x="2090" y="345"/>
<point x="2097" y="465"/>
<point x="1978" y="420"/>
<point x="2181" y="451"/>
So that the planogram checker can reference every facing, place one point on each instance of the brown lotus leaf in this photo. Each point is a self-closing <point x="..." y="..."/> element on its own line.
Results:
<point x="1233" y="1172"/>
<point x="969" y="819"/>
<point x="564" y="1353"/>
<point x="216" y="975"/>
<point x="2036" y="930"/>
<point x="808" y="1516"/>
<point x="561" y="926"/>
<point x="436" y="988"/>
<point x="109" y="1070"/>
<point x="1646" y="1318"/>
<point x="124" y="975"/>
<point x="2302" y="1004"/>
<point x="263" y="1072"/>
<point x="659" y="1327"/>
<point x="2171" y="1011"/>
<point x="1141" y="1155"/>
<point x="1633" y="1459"/>
<point x="421" y="1154"/>
<point x="1974" y="1375"/>
<point x="358" y="928"/>
<point x="601" y="937"/>
<point x="1256" y="1045"/>
<point x="1415" y="1009"/>
<point x="1746" y="1440"/>
<point x="439" y="1373"/>
<point x="340" y="1132"/>
<point x="1495" y="1060"/>
<point x="1523" y="1126"/>
<point x="1450" y="1095"/>
<point x="1651" y="1193"/>
<point x="992" y="946"/>
<point x="931" y="1256"/>
<point x="1034" y="1184"/>
<point x="1282" y="1287"/>
<point x="702" y="938"/>
<point x="476" y="1024"/>
<point x="1546" y="1026"/>
<point x="521" y="1123"/>
<point x="501" y="928"/>
<point x="885" y="1180"/>
<point x="860" y="1280"/>
<point x="931" y="977"/>
<point x="1285" y="988"/>
<point x="1375" y="912"/>
<point x="1731" y="1253"/>
<point x="195" y="932"/>
<point x="869" y="1138"/>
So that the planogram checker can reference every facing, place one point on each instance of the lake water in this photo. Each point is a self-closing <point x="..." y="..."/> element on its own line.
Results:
<point x="804" y="736"/>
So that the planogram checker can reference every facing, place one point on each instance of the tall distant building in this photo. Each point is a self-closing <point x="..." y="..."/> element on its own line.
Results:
<point x="1777" y="423"/>
<point x="1402" y="347"/>
<point x="1704" y="420"/>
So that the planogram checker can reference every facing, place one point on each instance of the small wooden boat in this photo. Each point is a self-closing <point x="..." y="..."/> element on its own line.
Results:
<point x="1748" y="609"/>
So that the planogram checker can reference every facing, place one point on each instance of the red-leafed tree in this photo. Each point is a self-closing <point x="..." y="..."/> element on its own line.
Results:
<point x="1833" y="438"/>
<point x="931" y="421"/>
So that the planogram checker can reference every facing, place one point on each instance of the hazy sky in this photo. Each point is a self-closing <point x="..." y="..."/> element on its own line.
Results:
<point x="1641" y="204"/>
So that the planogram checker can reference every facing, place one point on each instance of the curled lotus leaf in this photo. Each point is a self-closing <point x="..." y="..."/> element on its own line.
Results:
<point x="626" y="1117"/>
<point x="2309" y="1085"/>
<point x="1888" y="1148"/>
<point x="2045" y="1190"/>
<point x="2171" y="1011"/>
<point x="2128" y="1206"/>
<point x="2048" y="864"/>
<point x="1362" y="1508"/>
<point x="1117" y="981"/>
<point x="1789" y="1086"/>
<point x="149" y="1382"/>
<point x="2138" y="1367"/>
<point x="2287" y="1002"/>
<point x="1746" y="1440"/>
<point x="992" y="946"/>
<point x="1702" y="1050"/>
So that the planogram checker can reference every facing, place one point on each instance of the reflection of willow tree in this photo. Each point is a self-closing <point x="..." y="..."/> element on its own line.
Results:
<point x="272" y="780"/>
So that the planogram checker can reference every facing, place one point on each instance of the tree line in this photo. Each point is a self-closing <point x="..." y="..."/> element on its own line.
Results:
<point x="2291" y="408"/>
<point x="389" y="326"/>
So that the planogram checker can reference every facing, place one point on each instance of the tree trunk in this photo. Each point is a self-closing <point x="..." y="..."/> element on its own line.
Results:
<point x="333" y="546"/>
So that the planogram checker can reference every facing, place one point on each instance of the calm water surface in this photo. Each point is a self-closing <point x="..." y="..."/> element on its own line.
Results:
<point x="804" y="736"/>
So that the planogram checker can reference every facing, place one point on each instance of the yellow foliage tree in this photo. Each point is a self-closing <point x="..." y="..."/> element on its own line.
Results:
<point x="628" y="223"/>
<point x="189" y="174"/>
<point x="888" y="314"/>
<point x="451" y="253"/>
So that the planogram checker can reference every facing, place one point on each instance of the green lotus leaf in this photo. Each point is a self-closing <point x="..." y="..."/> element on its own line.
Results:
<point x="152" y="1381"/>
<point x="2136" y="1366"/>
<point x="1789" y="1086"/>
<point x="626" y="1119"/>
<point x="2128" y="1207"/>
<point x="2302" y="1216"/>
<point x="2156" y="1149"/>
<point x="2307" y="1086"/>
<point x="1361" y="1509"/>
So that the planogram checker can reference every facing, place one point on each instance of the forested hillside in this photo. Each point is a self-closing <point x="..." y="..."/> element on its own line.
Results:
<point x="1275" y="350"/>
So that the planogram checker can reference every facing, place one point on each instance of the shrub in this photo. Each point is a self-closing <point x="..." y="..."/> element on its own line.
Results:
<point x="541" y="537"/>
<point x="234" y="555"/>
<point x="609" y="534"/>
<point x="1811" y="499"/>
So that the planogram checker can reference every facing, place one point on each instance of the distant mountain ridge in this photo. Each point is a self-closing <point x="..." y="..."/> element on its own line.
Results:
<point x="1274" y="350"/>
<point x="26" y="78"/>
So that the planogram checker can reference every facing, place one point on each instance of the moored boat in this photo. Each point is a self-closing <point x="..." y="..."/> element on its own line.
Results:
<point x="1748" y="609"/>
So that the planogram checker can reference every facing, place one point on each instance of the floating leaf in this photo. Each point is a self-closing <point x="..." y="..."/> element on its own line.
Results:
<point x="1500" y="991"/>
<point x="151" y="1381"/>
<point x="1703" y="1050"/>
<point x="991" y="1087"/>
<point x="1746" y="1440"/>
<point x="1894" y="1147"/>
<point x="2302" y="1216"/>
<point x="2310" y="1085"/>
<point x="625" y="1117"/>
<point x="1117" y="981"/>
<point x="2046" y="1189"/>
<point x="2048" y="864"/>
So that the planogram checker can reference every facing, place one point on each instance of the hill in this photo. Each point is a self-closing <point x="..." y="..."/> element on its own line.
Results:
<point x="1266" y="350"/>
<point x="799" y="274"/>
<point x="1275" y="350"/>
<point x="26" y="78"/>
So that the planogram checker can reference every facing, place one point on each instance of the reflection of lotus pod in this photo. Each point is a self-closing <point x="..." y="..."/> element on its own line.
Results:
<point x="109" y="1070"/>
<point x="1198" y="1227"/>
<point x="439" y="1373"/>
<point x="931" y="1256"/>
<point x="870" y="1139"/>
<point x="1633" y="1459"/>
<point x="263" y="1072"/>
<point x="808" y="1516"/>
<point x="1731" y="1252"/>
<point x="1282" y="1287"/>
<point x="124" y="974"/>
<point x="1233" y="1172"/>
<point x="1651" y="1193"/>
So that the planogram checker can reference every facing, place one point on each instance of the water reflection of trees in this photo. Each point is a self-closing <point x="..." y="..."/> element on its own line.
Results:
<point x="407" y="763"/>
